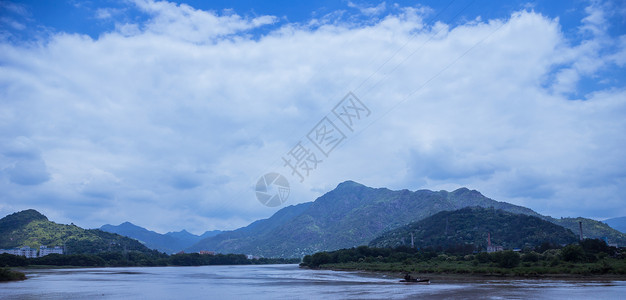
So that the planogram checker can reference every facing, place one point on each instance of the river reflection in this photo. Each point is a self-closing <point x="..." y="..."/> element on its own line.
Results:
<point x="284" y="282"/>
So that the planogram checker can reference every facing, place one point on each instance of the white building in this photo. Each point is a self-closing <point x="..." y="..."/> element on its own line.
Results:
<point x="29" y="252"/>
<point x="24" y="251"/>
<point x="15" y="251"/>
<point x="44" y="250"/>
<point x="492" y="248"/>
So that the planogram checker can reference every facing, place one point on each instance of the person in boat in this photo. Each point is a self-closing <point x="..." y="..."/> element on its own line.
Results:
<point x="407" y="277"/>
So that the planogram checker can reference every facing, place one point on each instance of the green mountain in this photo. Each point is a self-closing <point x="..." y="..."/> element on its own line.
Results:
<point x="170" y="242"/>
<point x="30" y="228"/>
<point x="353" y="214"/>
<point x="591" y="229"/>
<point x="471" y="225"/>
<point x="350" y="215"/>
<point x="617" y="223"/>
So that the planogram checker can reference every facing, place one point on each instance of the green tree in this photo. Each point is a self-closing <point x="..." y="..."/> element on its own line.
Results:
<point x="595" y="246"/>
<point x="10" y="260"/>
<point x="320" y="258"/>
<point x="573" y="253"/>
<point x="530" y="257"/>
<point x="483" y="257"/>
<point x="506" y="259"/>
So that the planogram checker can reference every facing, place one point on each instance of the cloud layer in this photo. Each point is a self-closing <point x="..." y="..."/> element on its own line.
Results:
<point x="170" y="121"/>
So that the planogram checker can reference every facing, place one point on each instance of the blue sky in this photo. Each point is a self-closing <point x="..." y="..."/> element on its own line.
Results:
<point x="165" y="114"/>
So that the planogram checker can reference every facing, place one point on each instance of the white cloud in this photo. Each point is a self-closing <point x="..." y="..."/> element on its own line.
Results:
<point x="173" y="120"/>
<point x="597" y="51"/>
<point x="192" y="25"/>
<point x="107" y="13"/>
<point x="369" y="10"/>
<point x="15" y="8"/>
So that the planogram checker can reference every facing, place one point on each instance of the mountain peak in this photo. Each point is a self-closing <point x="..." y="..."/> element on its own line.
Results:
<point x="23" y="217"/>
<point x="349" y="184"/>
<point x="31" y="213"/>
<point x="466" y="193"/>
<point x="463" y="190"/>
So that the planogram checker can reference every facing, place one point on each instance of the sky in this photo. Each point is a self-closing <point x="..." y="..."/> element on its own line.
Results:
<point x="168" y="113"/>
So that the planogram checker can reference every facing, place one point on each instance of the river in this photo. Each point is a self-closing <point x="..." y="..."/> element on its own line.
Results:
<point x="285" y="282"/>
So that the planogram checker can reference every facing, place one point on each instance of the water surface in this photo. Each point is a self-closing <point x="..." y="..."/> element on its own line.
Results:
<point x="284" y="282"/>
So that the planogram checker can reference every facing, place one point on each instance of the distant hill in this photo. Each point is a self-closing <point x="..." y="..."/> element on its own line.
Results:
<point x="149" y="238"/>
<point x="591" y="229"/>
<point x="471" y="225"/>
<point x="242" y="239"/>
<point x="350" y="215"/>
<point x="170" y="242"/>
<point x="188" y="239"/>
<point x="30" y="228"/>
<point x="617" y="223"/>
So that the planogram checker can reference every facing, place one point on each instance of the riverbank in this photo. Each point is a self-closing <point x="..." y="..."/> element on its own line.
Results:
<point x="606" y="269"/>
<point x="135" y="259"/>
<point x="588" y="258"/>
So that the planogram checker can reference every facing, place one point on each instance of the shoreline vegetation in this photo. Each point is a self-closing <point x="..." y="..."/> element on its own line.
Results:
<point x="124" y="259"/>
<point x="587" y="258"/>
<point x="6" y="274"/>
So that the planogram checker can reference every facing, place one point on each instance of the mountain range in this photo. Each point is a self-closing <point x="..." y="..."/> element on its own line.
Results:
<point x="170" y="242"/>
<point x="350" y="215"/>
<point x="353" y="214"/>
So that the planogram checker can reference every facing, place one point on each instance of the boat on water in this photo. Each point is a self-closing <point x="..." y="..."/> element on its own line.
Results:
<point x="416" y="280"/>
<point x="409" y="279"/>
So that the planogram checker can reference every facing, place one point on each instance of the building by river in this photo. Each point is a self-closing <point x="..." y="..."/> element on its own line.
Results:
<point x="29" y="252"/>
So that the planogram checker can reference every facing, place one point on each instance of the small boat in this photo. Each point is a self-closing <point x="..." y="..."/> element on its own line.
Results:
<point x="416" y="280"/>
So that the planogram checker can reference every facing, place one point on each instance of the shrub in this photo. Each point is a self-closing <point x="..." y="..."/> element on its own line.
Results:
<point x="320" y="258"/>
<point x="530" y="257"/>
<point x="572" y="253"/>
<point x="506" y="259"/>
<point x="7" y="274"/>
<point x="555" y="262"/>
<point x="483" y="257"/>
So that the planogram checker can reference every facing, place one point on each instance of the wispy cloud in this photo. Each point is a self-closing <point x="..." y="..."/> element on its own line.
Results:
<point x="369" y="10"/>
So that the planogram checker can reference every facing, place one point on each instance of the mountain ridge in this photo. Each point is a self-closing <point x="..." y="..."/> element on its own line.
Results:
<point x="350" y="215"/>
<point x="618" y="223"/>
<point x="170" y="242"/>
